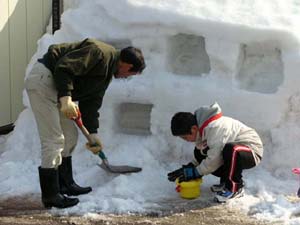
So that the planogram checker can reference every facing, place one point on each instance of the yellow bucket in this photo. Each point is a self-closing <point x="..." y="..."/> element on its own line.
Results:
<point x="189" y="189"/>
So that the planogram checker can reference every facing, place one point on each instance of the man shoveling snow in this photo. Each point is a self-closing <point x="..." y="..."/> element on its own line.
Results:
<point x="69" y="72"/>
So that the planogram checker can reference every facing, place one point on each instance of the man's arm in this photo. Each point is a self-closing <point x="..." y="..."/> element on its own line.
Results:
<point x="89" y="112"/>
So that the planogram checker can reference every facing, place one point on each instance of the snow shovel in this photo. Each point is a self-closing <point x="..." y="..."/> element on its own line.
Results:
<point x="105" y="164"/>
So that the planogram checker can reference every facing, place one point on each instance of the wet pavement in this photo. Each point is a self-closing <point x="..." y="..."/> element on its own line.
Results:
<point x="27" y="210"/>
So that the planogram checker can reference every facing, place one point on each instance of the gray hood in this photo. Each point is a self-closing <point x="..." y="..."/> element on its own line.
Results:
<point x="206" y="112"/>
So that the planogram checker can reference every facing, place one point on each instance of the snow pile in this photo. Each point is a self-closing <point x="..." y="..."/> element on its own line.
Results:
<point x="243" y="55"/>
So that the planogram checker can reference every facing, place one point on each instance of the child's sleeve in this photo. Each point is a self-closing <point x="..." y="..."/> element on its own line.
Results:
<point x="216" y="139"/>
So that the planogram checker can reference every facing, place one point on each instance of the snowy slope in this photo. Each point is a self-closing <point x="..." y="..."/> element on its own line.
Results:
<point x="243" y="54"/>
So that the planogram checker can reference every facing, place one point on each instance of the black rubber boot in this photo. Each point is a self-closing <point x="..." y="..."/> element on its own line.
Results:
<point x="66" y="181"/>
<point x="51" y="196"/>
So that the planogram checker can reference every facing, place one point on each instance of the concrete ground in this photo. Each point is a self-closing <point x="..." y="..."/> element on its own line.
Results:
<point x="27" y="210"/>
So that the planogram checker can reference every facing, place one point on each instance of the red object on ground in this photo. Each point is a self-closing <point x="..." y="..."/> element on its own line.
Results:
<point x="296" y="171"/>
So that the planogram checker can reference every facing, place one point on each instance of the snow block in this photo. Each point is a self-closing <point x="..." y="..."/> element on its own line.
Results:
<point x="187" y="55"/>
<point x="261" y="68"/>
<point x="134" y="118"/>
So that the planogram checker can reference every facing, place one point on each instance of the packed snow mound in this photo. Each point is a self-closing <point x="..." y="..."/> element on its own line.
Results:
<point x="244" y="55"/>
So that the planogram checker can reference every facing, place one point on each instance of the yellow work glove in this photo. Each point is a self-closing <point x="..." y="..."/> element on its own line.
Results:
<point x="68" y="107"/>
<point x="94" y="144"/>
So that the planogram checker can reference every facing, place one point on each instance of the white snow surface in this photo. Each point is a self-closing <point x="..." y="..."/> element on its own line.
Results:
<point x="243" y="54"/>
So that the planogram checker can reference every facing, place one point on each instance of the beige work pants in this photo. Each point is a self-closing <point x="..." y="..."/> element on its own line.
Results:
<point x="58" y="134"/>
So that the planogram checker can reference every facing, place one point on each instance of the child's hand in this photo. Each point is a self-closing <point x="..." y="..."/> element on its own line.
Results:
<point x="172" y="176"/>
<point x="189" y="173"/>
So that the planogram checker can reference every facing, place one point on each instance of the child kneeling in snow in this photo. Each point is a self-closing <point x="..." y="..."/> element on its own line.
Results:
<point x="224" y="148"/>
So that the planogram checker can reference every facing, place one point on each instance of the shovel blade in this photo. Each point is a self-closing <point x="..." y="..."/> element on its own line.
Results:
<point x="119" y="169"/>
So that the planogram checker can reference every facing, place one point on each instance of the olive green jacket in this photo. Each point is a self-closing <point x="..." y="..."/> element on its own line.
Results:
<point x="83" y="70"/>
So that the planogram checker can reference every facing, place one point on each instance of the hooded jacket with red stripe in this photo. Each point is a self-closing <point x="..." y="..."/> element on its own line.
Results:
<point x="215" y="131"/>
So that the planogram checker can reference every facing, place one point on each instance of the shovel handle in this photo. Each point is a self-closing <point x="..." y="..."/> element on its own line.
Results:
<point x="86" y="133"/>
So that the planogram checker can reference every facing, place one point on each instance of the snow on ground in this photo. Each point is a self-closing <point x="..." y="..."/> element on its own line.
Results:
<point x="244" y="55"/>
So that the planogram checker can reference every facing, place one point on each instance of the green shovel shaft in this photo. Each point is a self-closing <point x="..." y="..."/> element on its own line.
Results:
<point x="102" y="155"/>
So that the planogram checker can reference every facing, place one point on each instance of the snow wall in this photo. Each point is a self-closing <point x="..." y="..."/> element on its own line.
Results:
<point x="244" y="56"/>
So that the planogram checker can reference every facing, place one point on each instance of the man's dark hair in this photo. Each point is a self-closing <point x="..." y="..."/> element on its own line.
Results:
<point x="135" y="57"/>
<point x="182" y="123"/>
